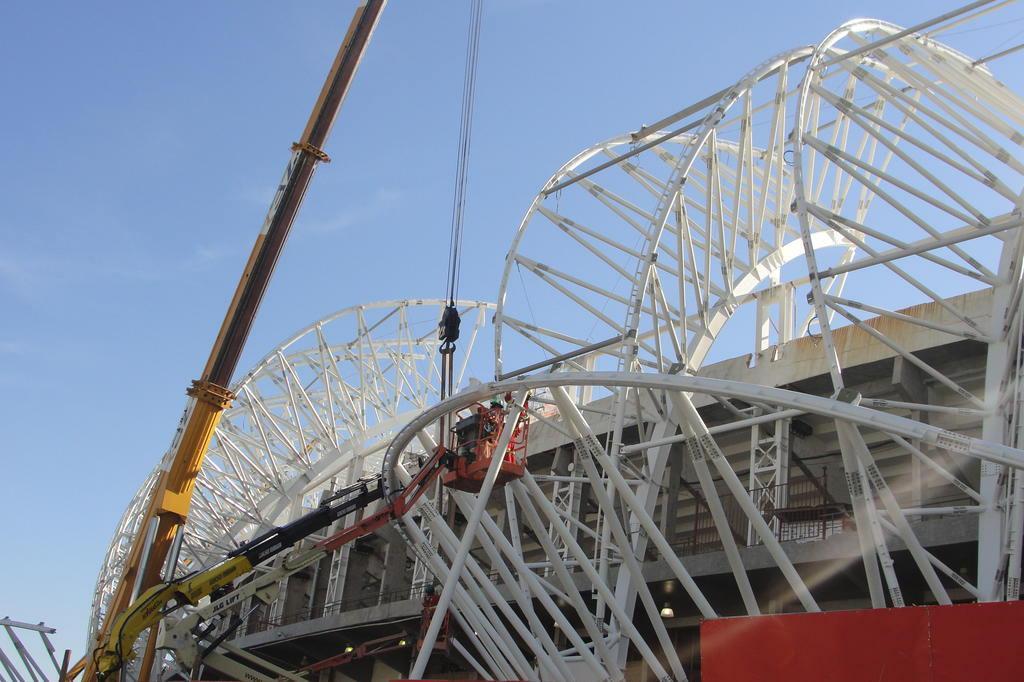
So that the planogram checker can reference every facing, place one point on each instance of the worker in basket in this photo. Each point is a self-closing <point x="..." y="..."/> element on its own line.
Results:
<point x="476" y="439"/>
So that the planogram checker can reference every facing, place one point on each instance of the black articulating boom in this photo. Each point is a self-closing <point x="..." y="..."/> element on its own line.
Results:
<point x="161" y="599"/>
<point x="353" y="498"/>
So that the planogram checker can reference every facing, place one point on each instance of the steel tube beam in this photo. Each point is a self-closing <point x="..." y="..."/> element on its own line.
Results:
<point x="468" y="536"/>
<point x="690" y="416"/>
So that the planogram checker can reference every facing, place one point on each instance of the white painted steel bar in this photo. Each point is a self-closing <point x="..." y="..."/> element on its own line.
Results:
<point x="625" y="623"/>
<point x="714" y="430"/>
<point x="37" y="627"/>
<point x="512" y="517"/>
<point x="938" y="469"/>
<point x="571" y="591"/>
<point x="495" y="647"/>
<point x="450" y="544"/>
<point x="428" y="554"/>
<point x="690" y="416"/>
<point x="468" y="537"/>
<point x="946" y="570"/>
<point x="1015" y="537"/>
<point x="872" y="545"/>
<point x="897" y="517"/>
<point x="586" y="450"/>
<point x="588" y="446"/>
<point x="228" y="666"/>
<point x="486" y="626"/>
<point x="886" y="404"/>
<point x="478" y="580"/>
<point x="869" y="519"/>
<point x="956" y="510"/>
<point x="9" y="667"/>
<point x="916" y="28"/>
<point x="544" y="647"/>
<point x="31" y="667"/>
<point x="536" y="587"/>
<point x="475" y="664"/>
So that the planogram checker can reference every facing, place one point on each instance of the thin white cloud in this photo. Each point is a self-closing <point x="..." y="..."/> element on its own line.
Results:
<point x="31" y="275"/>
<point x="204" y="256"/>
<point x="260" y="195"/>
<point x="380" y="203"/>
<point x="12" y="348"/>
<point x="23" y="274"/>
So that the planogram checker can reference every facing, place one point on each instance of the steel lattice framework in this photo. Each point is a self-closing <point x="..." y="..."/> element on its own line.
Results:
<point x="904" y="155"/>
<point x="314" y="413"/>
<point x="654" y="240"/>
<point x="816" y="199"/>
<point x="911" y="152"/>
<point x="599" y="639"/>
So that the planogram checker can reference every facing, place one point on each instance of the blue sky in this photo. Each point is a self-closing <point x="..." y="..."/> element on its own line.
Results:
<point x="142" y="145"/>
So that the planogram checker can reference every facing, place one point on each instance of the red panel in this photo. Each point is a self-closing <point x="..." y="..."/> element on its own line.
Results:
<point x="924" y="644"/>
<point x="889" y="645"/>
<point x="977" y="642"/>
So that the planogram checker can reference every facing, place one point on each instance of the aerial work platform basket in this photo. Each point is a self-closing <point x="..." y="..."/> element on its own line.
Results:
<point x="476" y="439"/>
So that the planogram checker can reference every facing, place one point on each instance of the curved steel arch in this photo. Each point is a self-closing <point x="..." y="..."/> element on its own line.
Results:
<point x="903" y="167"/>
<point x="979" y="448"/>
<point x="666" y="242"/>
<point x="912" y="152"/>
<point x="318" y="408"/>
<point x="467" y="575"/>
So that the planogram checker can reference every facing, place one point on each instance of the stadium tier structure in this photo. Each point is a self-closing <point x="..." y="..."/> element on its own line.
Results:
<point x="768" y="354"/>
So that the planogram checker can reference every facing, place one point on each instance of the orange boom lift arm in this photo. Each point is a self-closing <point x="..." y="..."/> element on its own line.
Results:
<point x="161" y="599"/>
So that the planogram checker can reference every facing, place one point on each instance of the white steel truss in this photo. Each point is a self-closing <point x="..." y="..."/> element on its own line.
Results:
<point x="911" y="152"/>
<point x="839" y="199"/>
<point x="769" y="469"/>
<point x="29" y="668"/>
<point x="595" y="634"/>
<point x="316" y="411"/>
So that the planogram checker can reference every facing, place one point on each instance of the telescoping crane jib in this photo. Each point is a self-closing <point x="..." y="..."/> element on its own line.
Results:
<point x="160" y="534"/>
<point x="164" y="520"/>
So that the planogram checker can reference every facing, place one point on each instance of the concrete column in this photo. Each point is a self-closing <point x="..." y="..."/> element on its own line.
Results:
<point x="323" y="577"/>
<point x="909" y="383"/>
<point x="355" y="572"/>
<point x="670" y="503"/>
<point x="297" y="594"/>
<point x="395" y="576"/>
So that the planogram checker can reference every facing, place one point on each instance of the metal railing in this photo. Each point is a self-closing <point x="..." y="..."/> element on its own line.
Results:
<point x="362" y="601"/>
<point x="808" y="513"/>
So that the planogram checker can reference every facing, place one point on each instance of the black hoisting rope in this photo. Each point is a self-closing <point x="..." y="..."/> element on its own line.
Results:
<point x="448" y="328"/>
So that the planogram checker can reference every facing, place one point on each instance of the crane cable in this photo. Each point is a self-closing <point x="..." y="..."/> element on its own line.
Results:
<point x="448" y="328"/>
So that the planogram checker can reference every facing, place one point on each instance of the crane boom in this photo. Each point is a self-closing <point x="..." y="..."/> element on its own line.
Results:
<point x="169" y="504"/>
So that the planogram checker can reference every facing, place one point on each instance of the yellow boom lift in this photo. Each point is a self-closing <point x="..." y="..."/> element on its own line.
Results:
<point x="153" y="555"/>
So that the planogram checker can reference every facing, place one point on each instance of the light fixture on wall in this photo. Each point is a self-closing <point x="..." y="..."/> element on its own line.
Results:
<point x="667" y="611"/>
